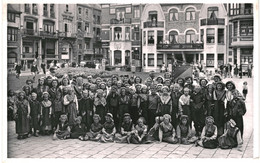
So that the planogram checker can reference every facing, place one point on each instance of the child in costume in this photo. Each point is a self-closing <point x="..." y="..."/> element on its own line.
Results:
<point x="78" y="130"/>
<point x="63" y="130"/>
<point x="35" y="114"/>
<point x="183" y="131"/>
<point x="95" y="129"/>
<point x="109" y="130"/>
<point x="46" y="114"/>
<point x="166" y="130"/>
<point x="140" y="132"/>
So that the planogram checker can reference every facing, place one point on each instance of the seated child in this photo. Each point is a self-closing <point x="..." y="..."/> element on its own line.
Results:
<point x="209" y="134"/>
<point x="94" y="133"/>
<point x="63" y="130"/>
<point x="166" y="130"/>
<point x="183" y="131"/>
<point x="153" y="134"/>
<point x="140" y="132"/>
<point x="109" y="130"/>
<point x="127" y="128"/>
<point x="78" y="130"/>
<point x="231" y="137"/>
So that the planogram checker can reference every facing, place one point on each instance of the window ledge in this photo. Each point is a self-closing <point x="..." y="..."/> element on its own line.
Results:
<point x="221" y="43"/>
<point x="190" y="21"/>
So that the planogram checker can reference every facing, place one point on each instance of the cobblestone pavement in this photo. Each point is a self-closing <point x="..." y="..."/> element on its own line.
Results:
<point x="45" y="147"/>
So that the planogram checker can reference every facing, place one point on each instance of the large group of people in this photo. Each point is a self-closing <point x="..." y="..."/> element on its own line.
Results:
<point x="126" y="109"/>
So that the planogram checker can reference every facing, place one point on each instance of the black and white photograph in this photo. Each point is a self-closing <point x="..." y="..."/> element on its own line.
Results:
<point x="130" y="80"/>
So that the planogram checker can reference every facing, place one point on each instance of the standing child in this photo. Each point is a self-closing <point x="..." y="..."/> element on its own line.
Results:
<point x="183" y="131"/>
<point x="100" y="105"/>
<point x="184" y="104"/>
<point x="71" y="104"/>
<point x="21" y="116"/>
<point x="133" y="104"/>
<point x="165" y="102"/>
<point x="209" y="134"/>
<point x="109" y="130"/>
<point x="124" y="101"/>
<point x="46" y="112"/>
<point x="153" y="105"/>
<point x="245" y="89"/>
<point x="78" y="130"/>
<point x="10" y="104"/>
<point x="58" y="109"/>
<point x="175" y="96"/>
<point x="63" y="130"/>
<point x="95" y="129"/>
<point x="86" y="109"/>
<point x="143" y="102"/>
<point x="35" y="114"/>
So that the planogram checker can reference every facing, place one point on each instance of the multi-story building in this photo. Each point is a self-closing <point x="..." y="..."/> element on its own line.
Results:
<point x="13" y="34"/>
<point x="241" y="28"/>
<point x="121" y="34"/>
<point x="39" y="31"/>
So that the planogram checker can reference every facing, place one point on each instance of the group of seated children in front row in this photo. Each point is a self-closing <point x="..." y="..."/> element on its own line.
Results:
<point x="162" y="131"/>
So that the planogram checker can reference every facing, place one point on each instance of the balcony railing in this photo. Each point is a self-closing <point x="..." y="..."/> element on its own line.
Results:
<point x="30" y="32"/>
<point x="155" y="24"/>
<point x="50" y="56"/>
<point x="136" y="42"/>
<point x="28" y="55"/>
<point x="45" y="13"/>
<point x="89" y="35"/>
<point x="12" y="43"/>
<point x="248" y="11"/>
<point x="52" y="15"/>
<point x="242" y="38"/>
<point x="122" y="21"/>
<point x="88" y="51"/>
<point x="48" y="34"/>
<point x="181" y="46"/>
<point x="67" y="34"/>
<point x="212" y="22"/>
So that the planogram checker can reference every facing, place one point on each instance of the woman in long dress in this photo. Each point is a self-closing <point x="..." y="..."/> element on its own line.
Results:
<point x="21" y="116"/>
<point x="46" y="112"/>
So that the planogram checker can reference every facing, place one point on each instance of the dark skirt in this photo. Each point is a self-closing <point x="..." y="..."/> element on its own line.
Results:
<point x="134" y="114"/>
<point x="22" y="125"/>
<point x="100" y="110"/>
<point x="218" y="115"/>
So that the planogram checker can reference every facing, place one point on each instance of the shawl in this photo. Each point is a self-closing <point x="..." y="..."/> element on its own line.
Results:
<point x="185" y="100"/>
<point x="46" y="103"/>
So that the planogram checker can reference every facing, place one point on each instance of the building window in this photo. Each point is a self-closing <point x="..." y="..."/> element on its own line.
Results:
<point x="11" y="17"/>
<point x="79" y="10"/>
<point x="45" y="10"/>
<point x="94" y="19"/>
<point x="27" y="49"/>
<point x="159" y="59"/>
<point x="153" y="18"/>
<point x="87" y="45"/>
<point x="94" y="31"/>
<point x="120" y="14"/>
<point x="210" y="60"/>
<point x="246" y="28"/>
<point x="80" y="25"/>
<point x="35" y="9"/>
<point x="248" y="9"/>
<point x="52" y="13"/>
<point x="67" y="8"/>
<point x="150" y="37"/>
<point x="136" y="33"/>
<point x="144" y="59"/>
<point x="12" y="34"/>
<point x="220" y="59"/>
<point x="144" y="39"/>
<point x="26" y="8"/>
<point x="98" y="32"/>
<point x="211" y="35"/>
<point x="202" y="35"/>
<point x="150" y="59"/>
<point x="221" y="36"/>
<point x="234" y="9"/>
<point x="48" y="27"/>
<point x="190" y="36"/>
<point x="190" y="14"/>
<point x="173" y="15"/>
<point x="86" y="13"/>
<point x="159" y="37"/>
<point x="80" y="46"/>
<point x="87" y="27"/>
<point x="136" y="12"/>
<point x="127" y="33"/>
<point x="235" y="28"/>
<point x="173" y="37"/>
<point x="212" y="12"/>
<point x="117" y="57"/>
<point x="98" y="19"/>
<point x="118" y="33"/>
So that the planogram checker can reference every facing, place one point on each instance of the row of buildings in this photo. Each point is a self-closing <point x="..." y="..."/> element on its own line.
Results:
<point x="143" y="35"/>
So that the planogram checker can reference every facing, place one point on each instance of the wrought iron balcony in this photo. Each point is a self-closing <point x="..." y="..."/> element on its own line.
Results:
<point x="181" y="46"/>
<point x="122" y="21"/>
<point x="67" y="34"/>
<point x="150" y="24"/>
<point x="48" y="34"/>
<point x="212" y="22"/>
<point x="29" y="32"/>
